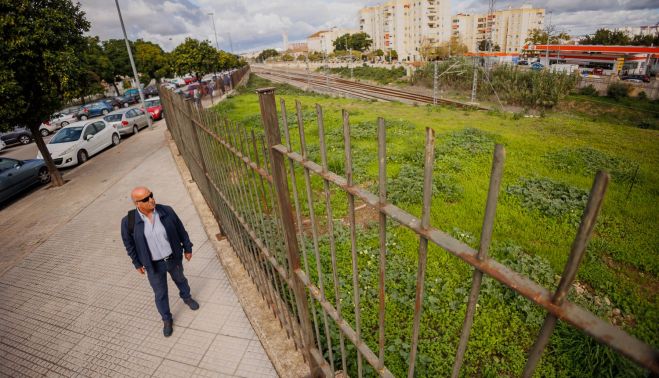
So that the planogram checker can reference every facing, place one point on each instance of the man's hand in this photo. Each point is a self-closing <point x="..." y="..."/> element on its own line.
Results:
<point x="140" y="270"/>
<point x="188" y="255"/>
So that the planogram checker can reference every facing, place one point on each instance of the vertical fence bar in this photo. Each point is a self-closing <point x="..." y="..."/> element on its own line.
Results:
<point x="353" y="236"/>
<point x="269" y="117"/>
<point x="579" y="244"/>
<point x="298" y="212"/>
<point x="314" y="234"/>
<point x="423" y="243"/>
<point x="486" y="239"/>
<point x="382" y="191"/>
<point x="330" y="230"/>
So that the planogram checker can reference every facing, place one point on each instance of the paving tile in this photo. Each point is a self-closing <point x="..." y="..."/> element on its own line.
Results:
<point x="169" y="368"/>
<point x="255" y="362"/>
<point x="213" y="270"/>
<point x="203" y="288"/>
<point x="237" y="325"/>
<point x="224" y="354"/>
<point x="195" y="266"/>
<point x="191" y="346"/>
<point x="211" y="317"/>
<point x="157" y="344"/>
<point x="181" y="312"/>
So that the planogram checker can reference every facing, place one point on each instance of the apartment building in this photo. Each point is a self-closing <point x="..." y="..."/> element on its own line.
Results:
<point x="406" y="25"/>
<point x="508" y="28"/>
<point x="323" y="40"/>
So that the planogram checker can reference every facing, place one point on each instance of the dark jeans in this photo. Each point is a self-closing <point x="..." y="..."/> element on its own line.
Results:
<point x="158" y="280"/>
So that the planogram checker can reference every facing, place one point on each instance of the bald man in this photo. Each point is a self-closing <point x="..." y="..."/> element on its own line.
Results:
<point x="156" y="242"/>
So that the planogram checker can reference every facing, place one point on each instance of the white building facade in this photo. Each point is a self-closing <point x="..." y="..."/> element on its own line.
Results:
<point x="404" y="25"/>
<point x="323" y="40"/>
<point x="507" y="28"/>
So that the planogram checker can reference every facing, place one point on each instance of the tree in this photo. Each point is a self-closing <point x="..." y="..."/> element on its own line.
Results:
<point x="267" y="53"/>
<point x="540" y="37"/>
<point x="645" y="40"/>
<point x="195" y="57"/>
<point x="39" y="44"/>
<point x="486" y="44"/>
<point x="287" y="58"/>
<point x="94" y="66"/>
<point x="360" y="41"/>
<point x="151" y="60"/>
<point x="606" y="37"/>
<point x="393" y="54"/>
<point x="115" y="50"/>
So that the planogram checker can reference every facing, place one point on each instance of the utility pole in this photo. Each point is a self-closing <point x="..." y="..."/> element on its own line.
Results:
<point x="475" y="82"/>
<point x="230" y="42"/>
<point x="132" y="64"/>
<point x="434" y="84"/>
<point x="548" y="36"/>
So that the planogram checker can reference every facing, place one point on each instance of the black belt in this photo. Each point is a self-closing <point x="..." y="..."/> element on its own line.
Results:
<point x="171" y="256"/>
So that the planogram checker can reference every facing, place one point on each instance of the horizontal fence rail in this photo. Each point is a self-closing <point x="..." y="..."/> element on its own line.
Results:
<point x="286" y="240"/>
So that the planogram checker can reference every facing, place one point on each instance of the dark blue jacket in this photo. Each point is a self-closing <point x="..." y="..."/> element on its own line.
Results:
<point x="137" y="247"/>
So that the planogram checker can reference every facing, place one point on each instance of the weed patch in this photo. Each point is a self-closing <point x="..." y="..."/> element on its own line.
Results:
<point x="586" y="161"/>
<point x="407" y="187"/>
<point x="551" y="198"/>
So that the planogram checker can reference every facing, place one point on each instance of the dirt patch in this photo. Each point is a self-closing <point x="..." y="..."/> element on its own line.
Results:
<point x="647" y="283"/>
<point x="364" y="216"/>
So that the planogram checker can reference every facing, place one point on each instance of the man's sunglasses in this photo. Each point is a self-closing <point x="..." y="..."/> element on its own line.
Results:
<point x="146" y="199"/>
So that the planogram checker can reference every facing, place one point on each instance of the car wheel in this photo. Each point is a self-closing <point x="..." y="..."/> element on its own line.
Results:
<point x="44" y="175"/>
<point x="64" y="123"/>
<point x="115" y="107"/>
<point x="125" y="104"/>
<point x="105" y="111"/>
<point x="82" y="156"/>
<point x="24" y="139"/>
<point x="44" y="132"/>
<point x="135" y="129"/>
<point x="83" y="117"/>
<point x="115" y="139"/>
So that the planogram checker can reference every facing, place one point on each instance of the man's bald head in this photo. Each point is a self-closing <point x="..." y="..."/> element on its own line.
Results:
<point x="139" y="192"/>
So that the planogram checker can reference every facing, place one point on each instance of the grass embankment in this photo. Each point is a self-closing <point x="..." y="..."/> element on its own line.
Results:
<point x="549" y="169"/>
<point x="376" y="74"/>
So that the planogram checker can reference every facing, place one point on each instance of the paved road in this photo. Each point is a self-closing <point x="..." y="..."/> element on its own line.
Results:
<point x="23" y="152"/>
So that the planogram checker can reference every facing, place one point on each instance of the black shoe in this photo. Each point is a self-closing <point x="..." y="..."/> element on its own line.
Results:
<point x="167" y="328"/>
<point x="192" y="303"/>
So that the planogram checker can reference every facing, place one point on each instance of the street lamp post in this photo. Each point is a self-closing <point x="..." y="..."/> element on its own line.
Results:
<point x="132" y="64"/>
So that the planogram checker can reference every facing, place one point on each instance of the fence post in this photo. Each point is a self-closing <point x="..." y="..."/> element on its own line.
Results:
<point x="273" y="137"/>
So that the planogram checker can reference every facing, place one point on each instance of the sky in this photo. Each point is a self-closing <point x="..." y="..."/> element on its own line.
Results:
<point x="249" y="25"/>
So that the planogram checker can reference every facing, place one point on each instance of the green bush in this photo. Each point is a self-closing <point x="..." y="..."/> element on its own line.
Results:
<point x="587" y="161"/>
<point x="642" y="95"/>
<point x="588" y="91"/>
<point x="617" y="90"/>
<point x="551" y="198"/>
<point x="378" y="74"/>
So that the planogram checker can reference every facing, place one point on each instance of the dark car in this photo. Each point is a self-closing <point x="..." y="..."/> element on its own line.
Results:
<point x="636" y="78"/>
<point x="151" y="91"/>
<point x="93" y="110"/>
<point x="113" y="102"/>
<point x="18" y="135"/>
<point x="19" y="175"/>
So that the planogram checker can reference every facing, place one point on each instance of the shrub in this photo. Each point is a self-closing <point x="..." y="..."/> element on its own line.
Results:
<point x="617" y="90"/>
<point x="587" y="161"/>
<point x="642" y="95"/>
<point x="407" y="187"/>
<point x="588" y="91"/>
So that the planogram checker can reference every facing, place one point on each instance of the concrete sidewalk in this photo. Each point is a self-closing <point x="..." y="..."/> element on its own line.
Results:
<point x="75" y="306"/>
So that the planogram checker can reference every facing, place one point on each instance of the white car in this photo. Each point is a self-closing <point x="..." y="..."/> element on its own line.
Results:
<point x="2" y="144"/>
<point x="59" y="120"/>
<point x="75" y="143"/>
<point x="127" y="121"/>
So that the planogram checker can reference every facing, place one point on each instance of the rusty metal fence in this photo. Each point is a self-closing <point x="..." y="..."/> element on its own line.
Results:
<point x="250" y="181"/>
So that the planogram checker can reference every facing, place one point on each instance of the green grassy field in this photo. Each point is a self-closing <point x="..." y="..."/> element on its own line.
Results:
<point x="550" y="166"/>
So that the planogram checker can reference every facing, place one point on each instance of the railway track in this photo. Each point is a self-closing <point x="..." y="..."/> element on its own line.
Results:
<point x="360" y="90"/>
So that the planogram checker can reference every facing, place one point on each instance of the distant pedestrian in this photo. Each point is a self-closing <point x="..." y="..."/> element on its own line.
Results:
<point x="156" y="242"/>
<point x="197" y="95"/>
<point x="211" y="87"/>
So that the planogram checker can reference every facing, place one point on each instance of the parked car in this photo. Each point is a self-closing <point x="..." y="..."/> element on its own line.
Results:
<point x="127" y="121"/>
<point x="537" y="66"/>
<point x="75" y="143"/>
<point x="2" y="144"/>
<point x="523" y="63"/>
<point x="635" y="78"/>
<point x="58" y="120"/>
<point x="18" y="134"/>
<point x="18" y="175"/>
<point x="114" y="102"/>
<point x="151" y="91"/>
<point x="154" y="107"/>
<point x="189" y="79"/>
<point x="93" y="110"/>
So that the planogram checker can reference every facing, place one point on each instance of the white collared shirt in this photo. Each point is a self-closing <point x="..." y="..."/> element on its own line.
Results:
<point x="156" y="236"/>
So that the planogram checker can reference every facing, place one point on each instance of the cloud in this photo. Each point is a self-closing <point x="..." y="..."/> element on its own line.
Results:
<point x="256" y="24"/>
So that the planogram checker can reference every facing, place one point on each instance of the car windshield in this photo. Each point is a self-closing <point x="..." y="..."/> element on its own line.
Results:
<point x="151" y="103"/>
<point x="112" y="118"/>
<point x="69" y="134"/>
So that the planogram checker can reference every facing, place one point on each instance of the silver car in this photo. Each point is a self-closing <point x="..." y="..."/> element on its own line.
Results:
<point x="59" y="120"/>
<point x="127" y="121"/>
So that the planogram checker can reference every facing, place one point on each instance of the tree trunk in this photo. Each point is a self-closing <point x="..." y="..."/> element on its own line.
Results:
<point x="55" y="175"/>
